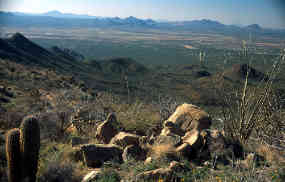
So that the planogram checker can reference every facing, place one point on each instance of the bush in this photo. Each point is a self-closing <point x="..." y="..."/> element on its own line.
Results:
<point x="55" y="172"/>
<point x="254" y="109"/>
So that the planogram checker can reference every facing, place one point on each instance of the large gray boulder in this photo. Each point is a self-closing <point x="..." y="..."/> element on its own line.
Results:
<point x="95" y="155"/>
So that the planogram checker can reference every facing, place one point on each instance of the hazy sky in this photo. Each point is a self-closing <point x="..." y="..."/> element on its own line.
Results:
<point x="268" y="13"/>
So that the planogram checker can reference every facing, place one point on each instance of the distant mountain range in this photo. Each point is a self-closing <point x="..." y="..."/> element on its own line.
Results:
<point x="67" y="20"/>
<point x="56" y="14"/>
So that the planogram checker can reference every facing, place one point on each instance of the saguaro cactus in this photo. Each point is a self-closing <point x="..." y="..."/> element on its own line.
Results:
<point x="13" y="155"/>
<point x="29" y="147"/>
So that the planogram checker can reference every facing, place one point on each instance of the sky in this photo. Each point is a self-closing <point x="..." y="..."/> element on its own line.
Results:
<point x="267" y="13"/>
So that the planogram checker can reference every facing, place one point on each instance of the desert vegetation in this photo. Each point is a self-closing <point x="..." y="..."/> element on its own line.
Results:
<point x="119" y="120"/>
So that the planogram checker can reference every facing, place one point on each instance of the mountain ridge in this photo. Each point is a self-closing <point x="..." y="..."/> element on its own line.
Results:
<point x="133" y="20"/>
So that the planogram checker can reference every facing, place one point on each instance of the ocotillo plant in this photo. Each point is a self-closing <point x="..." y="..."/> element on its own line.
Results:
<point x="29" y="146"/>
<point x="13" y="155"/>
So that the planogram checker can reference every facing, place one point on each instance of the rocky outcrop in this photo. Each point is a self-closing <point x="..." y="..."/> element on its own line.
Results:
<point x="108" y="129"/>
<point x="189" y="117"/>
<point x="94" y="155"/>
<point x="124" y="139"/>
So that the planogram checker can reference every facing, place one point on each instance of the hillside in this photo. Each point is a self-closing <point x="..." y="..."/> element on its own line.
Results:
<point x="123" y="120"/>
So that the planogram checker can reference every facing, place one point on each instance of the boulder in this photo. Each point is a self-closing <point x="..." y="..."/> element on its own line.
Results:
<point x="124" y="139"/>
<point x="188" y="117"/>
<point x="92" y="176"/>
<point x="108" y="129"/>
<point x="95" y="155"/>
<point x="133" y="152"/>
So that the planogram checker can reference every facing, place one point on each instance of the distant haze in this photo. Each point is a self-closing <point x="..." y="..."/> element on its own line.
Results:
<point x="267" y="13"/>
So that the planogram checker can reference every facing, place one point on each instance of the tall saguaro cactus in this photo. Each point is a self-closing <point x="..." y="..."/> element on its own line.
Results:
<point x="29" y="147"/>
<point x="13" y="155"/>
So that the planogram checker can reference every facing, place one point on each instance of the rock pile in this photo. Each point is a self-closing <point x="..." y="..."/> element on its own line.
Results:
<point x="185" y="134"/>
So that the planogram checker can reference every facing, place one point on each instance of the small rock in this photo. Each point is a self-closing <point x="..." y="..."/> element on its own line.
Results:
<point x="124" y="139"/>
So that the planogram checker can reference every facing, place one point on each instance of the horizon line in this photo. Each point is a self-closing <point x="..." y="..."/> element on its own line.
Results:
<point x="124" y="17"/>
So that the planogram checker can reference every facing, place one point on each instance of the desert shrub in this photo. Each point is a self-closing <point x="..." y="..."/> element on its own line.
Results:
<point x="55" y="172"/>
<point x="108" y="175"/>
<point x="48" y="125"/>
<point x="196" y="174"/>
<point x="253" y="109"/>
<point x="155" y="164"/>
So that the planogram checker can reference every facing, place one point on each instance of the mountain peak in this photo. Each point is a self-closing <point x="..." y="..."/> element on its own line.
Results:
<point x="131" y="18"/>
<point x="53" y="12"/>
<point x="18" y="37"/>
